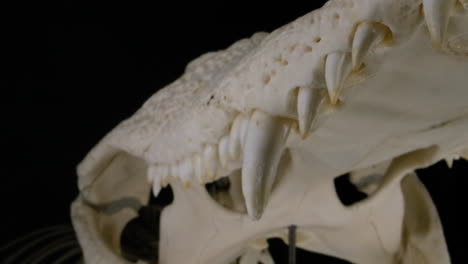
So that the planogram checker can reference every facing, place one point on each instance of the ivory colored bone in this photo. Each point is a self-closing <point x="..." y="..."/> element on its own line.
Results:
<point x="405" y="109"/>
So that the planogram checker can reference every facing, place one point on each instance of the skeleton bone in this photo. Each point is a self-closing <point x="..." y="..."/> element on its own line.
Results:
<point x="401" y="102"/>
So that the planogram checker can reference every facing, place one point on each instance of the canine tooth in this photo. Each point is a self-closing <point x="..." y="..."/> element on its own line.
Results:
<point x="337" y="68"/>
<point x="264" y="143"/>
<point x="210" y="162"/>
<point x="367" y="36"/>
<point x="198" y="168"/>
<point x="186" y="171"/>
<point x="223" y="151"/>
<point x="308" y="101"/>
<point x="437" y="14"/>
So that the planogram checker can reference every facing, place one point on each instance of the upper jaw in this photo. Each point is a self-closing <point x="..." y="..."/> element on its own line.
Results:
<point x="400" y="101"/>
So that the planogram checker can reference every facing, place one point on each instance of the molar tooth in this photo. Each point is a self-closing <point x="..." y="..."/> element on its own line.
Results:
<point x="198" y="168"/>
<point x="210" y="162"/>
<point x="337" y="68"/>
<point x="264" y="144"/>
<point x="308" y="101"/>
<point x="367" y="36"/>
<point x="223" y="151"/>
<point x="437" y="14"/>
<point x="186" y="171"/>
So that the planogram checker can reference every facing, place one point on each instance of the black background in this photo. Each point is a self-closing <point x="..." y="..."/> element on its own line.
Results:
<point x="75" y="69"/>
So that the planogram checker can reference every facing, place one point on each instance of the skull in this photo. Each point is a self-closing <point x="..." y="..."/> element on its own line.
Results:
<point x="373" y="88"/>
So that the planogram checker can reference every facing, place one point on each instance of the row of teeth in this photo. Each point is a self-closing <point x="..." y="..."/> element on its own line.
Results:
<point x="255" y="142"/>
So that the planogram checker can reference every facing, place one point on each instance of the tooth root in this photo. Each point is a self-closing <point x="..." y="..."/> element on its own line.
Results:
<point x="198" y="168"/>
<point x="337" y="68"/>
<point x="308" y="101"/>
<point x="186" y="171"/>
<point x="264" y="143"/>
<point x="223" y="151"/>
<point x="210" y="162"/>
<point x="367" y="36"/>
<point x="437" y="14"/>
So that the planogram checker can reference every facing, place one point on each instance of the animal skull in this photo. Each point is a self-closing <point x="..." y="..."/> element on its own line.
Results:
<point x="374" y="88"/>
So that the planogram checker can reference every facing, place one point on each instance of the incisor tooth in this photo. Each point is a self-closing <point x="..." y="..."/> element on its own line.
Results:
<point x="155" y="176"/>
<point x="210" y="162"/>
<point x="367" y="36"/>
<point x="164" y="169"/>
<point x="234" y="138"/>
<point x="308" y="101"/>
<point x="337" y="68"/>
<point x="243" y="132"/>
<point x="198" y="168"/>
<point x="186" y="171"/>
<point x="223" y="151"/>
<point x="264" y="144"/>
<point x="437" y="14"/>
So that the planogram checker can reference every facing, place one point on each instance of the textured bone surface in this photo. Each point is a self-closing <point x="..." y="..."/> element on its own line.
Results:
<point x="313" y="100"/>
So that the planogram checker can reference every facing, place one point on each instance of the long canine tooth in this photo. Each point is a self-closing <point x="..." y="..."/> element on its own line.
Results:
<point x="198" y="168"/>
<point x="437" y="14"/>
<point x="186" y="171"/>
<point x="367" y="36"/>
<point x="210" y="162"/>
<point x="308" y="101"/>
<point x="337" y="68"/>
<point x="264" y="144"/>
<point x="223" y="151"/>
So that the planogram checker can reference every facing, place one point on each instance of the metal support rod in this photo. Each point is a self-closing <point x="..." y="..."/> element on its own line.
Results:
<point x="292" y="244"/>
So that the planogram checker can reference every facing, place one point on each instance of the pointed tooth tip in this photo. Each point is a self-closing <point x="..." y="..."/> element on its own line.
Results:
<point x="337" y="69"/>
<point x="366" y="37"/>
<point x="264" y="143"/>
<point x="308" y="101"/>
<point x="437" y="15"/>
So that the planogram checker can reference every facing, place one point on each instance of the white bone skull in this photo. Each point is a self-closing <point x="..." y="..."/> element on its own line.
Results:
<point x="374" y="88"/>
